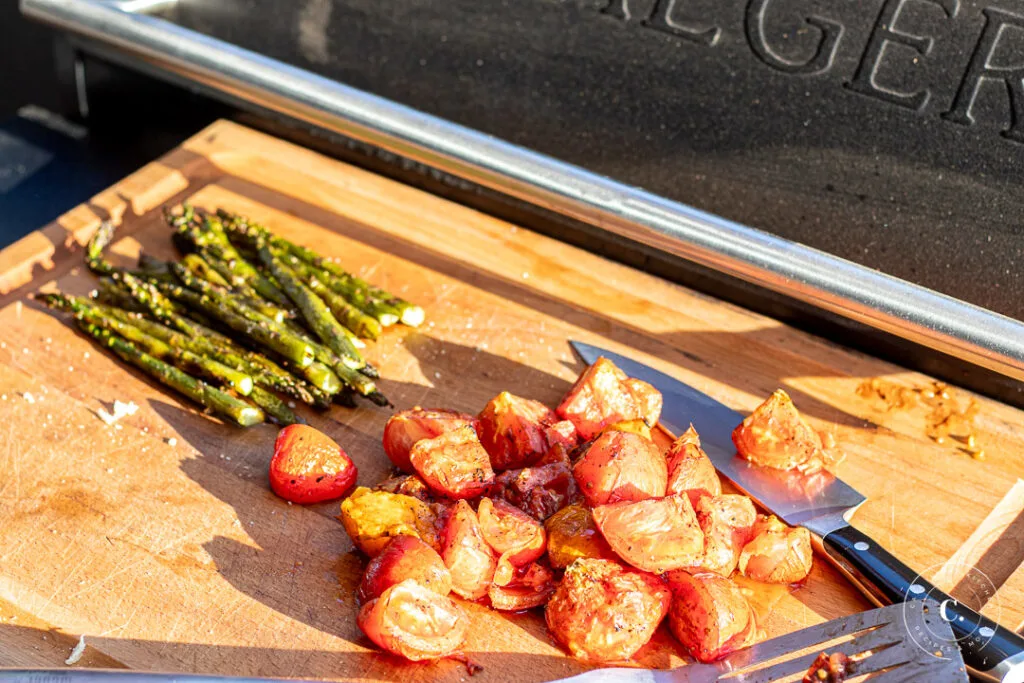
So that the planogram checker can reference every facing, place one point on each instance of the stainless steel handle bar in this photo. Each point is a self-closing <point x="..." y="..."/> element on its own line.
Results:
<point x="906" y="310"/>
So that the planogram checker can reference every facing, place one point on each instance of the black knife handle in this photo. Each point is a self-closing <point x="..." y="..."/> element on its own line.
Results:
<point x="992" y="652"/>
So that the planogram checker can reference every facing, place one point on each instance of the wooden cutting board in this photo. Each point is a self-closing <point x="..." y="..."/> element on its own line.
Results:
<point x="176" y="556"/>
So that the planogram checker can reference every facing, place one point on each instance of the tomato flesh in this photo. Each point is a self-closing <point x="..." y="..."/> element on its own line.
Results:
<point x="453" y="464"/>
<point x="727" y="522"/>
<point x="309" y="467"/>
<point x="538" y="491"/>
<point x="531" y="587"/>
<point x="709" y="615"/>
<point x="405" y="557"/>
<point x="776" y="553"/>
<point x="654" y="535"/>
<point x="602" y="612"/>
<point x="604" y="395"/>
<point x="414" y="622"/>
<point x="469" y="559"/>
<point x="776" y="435"/>
<point x="619" y="466"/>
<point x="690" y="470"/>
<point x="572" y="535"/>
<point x="513" y="430"/>
<point x="518" y="538"/>
<point x="407" y="427"/>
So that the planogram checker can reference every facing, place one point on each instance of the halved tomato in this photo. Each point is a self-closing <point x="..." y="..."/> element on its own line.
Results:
<point x="539" y="491"/>
<point x="414" y="622"/>
<point x="572" y="535"/>
<point x="776" y="435"/>
<point x="709" y="615"/>
<point x="727" y="522"/>
<point x="309" y="467"/>
<point x="619" y="466"/>
<point x="453" y="464"/>
<point x="512" y="430"/>
<point x="690" y="470"/>
<point x="406" y="427"/>
<point x="407" y="485"/>
<point x="655" y="535"/>
<point x="466" y="554"/>
<point x="373" y="518"/>
<point x="517" y="537"/>
<point x="776" y="553"/>
<point x="603" y="395"/>
<point x="531" y="587"/>
<point x="405" y="557"/>
<point x="603" y="612"/>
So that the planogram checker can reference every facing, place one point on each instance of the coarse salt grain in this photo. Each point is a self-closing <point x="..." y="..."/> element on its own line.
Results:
<point x="172" y="442"/>
<point x="29" y="397"/>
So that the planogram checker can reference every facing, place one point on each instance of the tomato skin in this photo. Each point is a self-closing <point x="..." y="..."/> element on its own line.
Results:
<point x="513" y="430"/>
<point x="690" y="470"/>
<point x="604" y="395"/>
<point x="453" y="464"/>
<point x="405" y="557"/>
<point x="469" y="559"/>
<point x="727" y="522"/>
<point x="531" y="587"/>
<point x="655" y="535"/>
<point x="414" y="622"/>
<point x="517" y="538"/>
<point x="620" y="466"/>
<point x="709" y="615"/>
<point x="406" y="427"/>
<point x="602" y="612"/>
<point x="539" y="491"/>
<point x="776" y="435"/>
<point x="572" y="535"/>
<point x="777" y="553"/>
<point x="310" y="467"/>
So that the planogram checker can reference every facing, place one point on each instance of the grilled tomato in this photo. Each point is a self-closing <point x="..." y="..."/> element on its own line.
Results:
<point x="604" y="395"/>
<point x="776" y="553"/>
<point x="572" y="535"/>
<point x="513" y="430"/>
<point x="619" y="466"/>
<point x="602" y="612"/>
<point x="531" y="587"/>
<point x="776" y="435"/>
<point x="407" y="427"/>
<point x="405" y="557"/>
<point x="709" y="615"/>
<point x="407" y="485"/>
<point x="539" y="491"/>
<point x="690" y="471"/>
<point x="654" y="535"/>
<point x="562" y="433"/>
<point x="517" y="537"/>
<point x="466" y="554"/>
<point x="727" y="521"/>
<point x="453" y="464"/>
<point x="414" y="622"/>
<point x="309" y="467"/>
<point x="373" y="518"/>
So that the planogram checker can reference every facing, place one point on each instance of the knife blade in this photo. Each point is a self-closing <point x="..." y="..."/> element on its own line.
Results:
<point x="823" y="504"/>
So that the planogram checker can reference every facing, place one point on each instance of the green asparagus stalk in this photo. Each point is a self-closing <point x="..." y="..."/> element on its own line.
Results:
<point x="345" y="313"/>
<point x="220" y="403"/>
<point x="203" y="270"/>
<point x="286" y="344"/>
<point x="315" y="312"/>
<point x="94" y="249"/>
<point x="276" y="409"/>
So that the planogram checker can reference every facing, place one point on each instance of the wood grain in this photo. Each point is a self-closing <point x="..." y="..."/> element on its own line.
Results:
<point x="179" y="558"/>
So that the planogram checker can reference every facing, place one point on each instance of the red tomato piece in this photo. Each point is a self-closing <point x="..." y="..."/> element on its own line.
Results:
<point x="727" y="521"/>
<point x="603" y="612"/>
<point x="405" y="557"/>
<point x="654" y="535"/>
<point x="777" y="553"/>
<point x="513" y="430"/>
<point x="466" y="554"/>
<point x="604" y="395"/>
<point x="562" y="433"/>
<point x="776" y="435"/>
<point x="414" y="622"/>
<point x="309" y="467"/>
<point x="453" y="464"/>
<point x="538" y="491"/>
<point x="518" y="538"/>
<point x="407" y="485"/>
<point x="709" y="615"/>
<point x="406" y="427"/>
<point x="531" y="587"/>
<point x="690" y="470"/>
<point x="619" y="466"/>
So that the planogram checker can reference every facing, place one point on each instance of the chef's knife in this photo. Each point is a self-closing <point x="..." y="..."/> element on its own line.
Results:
<point x="824" y="504"/>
